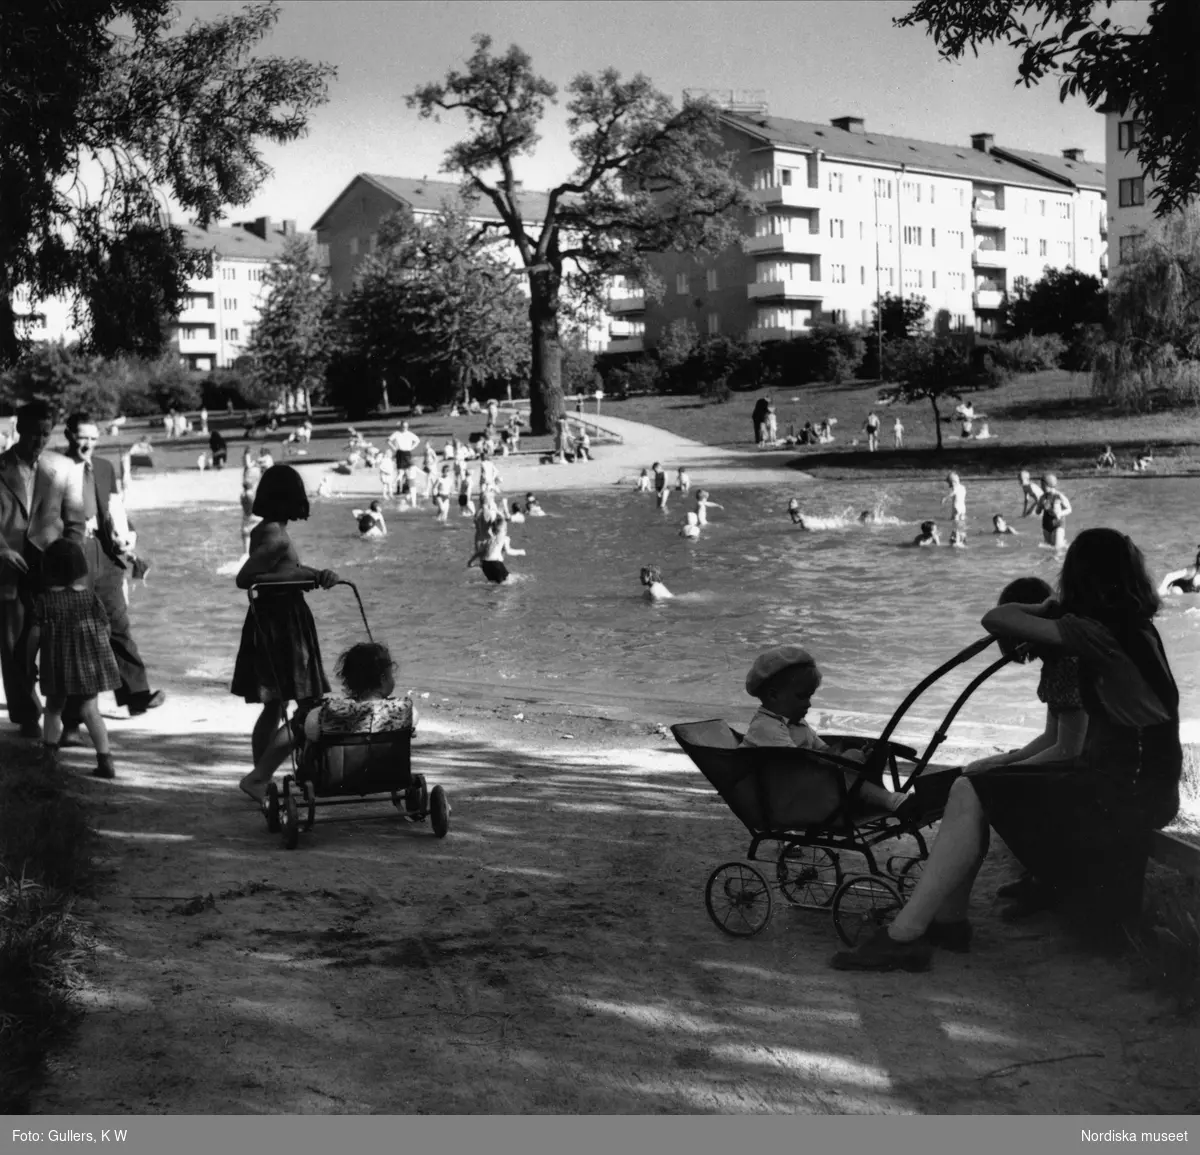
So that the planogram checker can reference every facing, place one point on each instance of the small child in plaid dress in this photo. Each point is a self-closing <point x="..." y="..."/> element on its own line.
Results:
<point x="75" y="657"/>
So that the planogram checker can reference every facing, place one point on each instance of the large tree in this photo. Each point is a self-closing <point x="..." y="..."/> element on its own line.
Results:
<point x="649" y="179"/>
<point x="434" y="308"/>
<point x="104" y="113"/>
<point x="289" y="348"/>
<point x="1151" y="73"/>
<point x="1060" y="301"/>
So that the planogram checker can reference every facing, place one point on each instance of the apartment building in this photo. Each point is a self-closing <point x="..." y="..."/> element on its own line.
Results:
<point x="1130" y="212"/>
<point x="848" y="215"/>
<point x="223" y="304"/>
<point x="349" y="229"/>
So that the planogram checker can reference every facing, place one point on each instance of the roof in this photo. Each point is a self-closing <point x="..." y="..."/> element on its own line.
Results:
<point x="892" y="151"/>
<point x="233" y="241"/>
<point x="1084" y="173"/>
<point x="432" y="195"/>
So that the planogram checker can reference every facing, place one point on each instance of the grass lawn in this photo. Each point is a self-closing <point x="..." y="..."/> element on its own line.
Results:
<point x="1040" y="421"/>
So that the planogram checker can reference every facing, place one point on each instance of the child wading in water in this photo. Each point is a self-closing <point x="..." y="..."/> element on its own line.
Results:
<point x="682" y="481"/>
<point x="928" y="535"/>
<point x="660" y="484"/>
<point x="957" y="496"/>
<point x="249" y="521"/>
<point x="642" y="485"/>
<point x="493" y="551"/>
<point x="370" y="521"/>
<point x="690" y="527"/>
<point x="702" y="506"/>
<point x="794" y="511"/>
<point x="75" y="657"/>
<point x="1031" y="492"/>
<point x="1054" y="508"/>
<point x="279" y="659"/>
<point x="441" y="493"/>
<point x="651" y="578"/>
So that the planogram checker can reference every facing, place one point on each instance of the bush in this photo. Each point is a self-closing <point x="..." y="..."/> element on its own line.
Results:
<point x="1134" y="377"/>
<point x="1083" y="342"/>
<point x="1029" y="354"/>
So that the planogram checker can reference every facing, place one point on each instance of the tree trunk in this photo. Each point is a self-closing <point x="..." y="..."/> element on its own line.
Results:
<point x="384" y="400"/>
<point x="545" y="384"/>
<point x="937" y="421"/>
<point x="10" y="342"/>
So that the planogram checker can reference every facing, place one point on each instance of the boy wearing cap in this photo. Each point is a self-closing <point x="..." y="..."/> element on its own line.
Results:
<point x="784" y="679"/>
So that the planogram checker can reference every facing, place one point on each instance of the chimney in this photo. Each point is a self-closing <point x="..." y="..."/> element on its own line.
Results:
<point x="1072" y="154"/>
<point x="849" y="124"/>
<point x="289" y="228"/>
<point x="982" y="141"/>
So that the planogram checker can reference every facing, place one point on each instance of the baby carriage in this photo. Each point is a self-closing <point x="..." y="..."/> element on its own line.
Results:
<point x="798" y="802"/>
<point x="344" y="769"/>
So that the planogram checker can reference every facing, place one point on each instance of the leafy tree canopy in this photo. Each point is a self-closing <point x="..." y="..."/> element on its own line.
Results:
<point x="650" y="178"/>
<point x="1062" y="299"/>
<point x="1150" y="74"/>
<point x="900" y="317"/>
<point x="104" y="113"/>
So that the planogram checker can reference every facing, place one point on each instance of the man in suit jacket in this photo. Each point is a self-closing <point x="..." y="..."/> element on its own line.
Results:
<point x="39" y="503"/>
<point x="98" y="483"/>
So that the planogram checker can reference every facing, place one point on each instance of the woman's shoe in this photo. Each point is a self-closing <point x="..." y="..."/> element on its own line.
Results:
<point x="881" y="952"/>
<point x="955" y="936"/>
<point x="104" y="767"/>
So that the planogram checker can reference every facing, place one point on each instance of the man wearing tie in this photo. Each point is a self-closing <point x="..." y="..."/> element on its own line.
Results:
<point x="39" y="503"/>
<point x="107" y="564"/>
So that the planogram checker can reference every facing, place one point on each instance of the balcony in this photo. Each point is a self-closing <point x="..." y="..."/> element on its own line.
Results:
<point x="800" y="242"/>
<point x="1103" y="225"/>
<point x="791" y="290"/>
<point x="631" y="304"/>
<point x="771" y="333"/>
<point x="988" y="298"/>
<point x="792" y="196"/>
<point x="987" y="216"/>
<point x="626" y="345"/>
<point x="990" y="258"/>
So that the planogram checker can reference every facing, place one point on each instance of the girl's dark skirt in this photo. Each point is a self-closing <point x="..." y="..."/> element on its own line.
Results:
<point x="279" y="658"/>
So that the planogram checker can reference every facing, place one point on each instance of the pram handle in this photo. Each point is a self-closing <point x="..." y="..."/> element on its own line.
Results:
<point x="305" y="584"/>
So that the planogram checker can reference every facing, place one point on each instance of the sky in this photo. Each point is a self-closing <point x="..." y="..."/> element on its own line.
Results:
<point x="813" y="60"/>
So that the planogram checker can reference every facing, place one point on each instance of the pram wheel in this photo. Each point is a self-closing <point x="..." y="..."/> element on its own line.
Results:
<point x="808" y="875"/>
<point x="310" y="799"/>
<point x="909" y="875"/>
<point x="272" y="808"/>
<point x="738" y="899"/>
<point x="291" y="821"/>
<point x="416" y="798"/>
<point x="863" y="902"/>
<point x="439" y="811"/>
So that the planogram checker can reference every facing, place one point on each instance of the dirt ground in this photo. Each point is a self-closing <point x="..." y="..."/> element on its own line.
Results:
<point x="551" y="955"/>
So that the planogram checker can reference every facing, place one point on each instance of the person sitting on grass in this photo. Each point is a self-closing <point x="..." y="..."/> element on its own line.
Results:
<point x="784" y="680"/>
<point x="1062" y="818"/>
<point x="1107" y="460"/>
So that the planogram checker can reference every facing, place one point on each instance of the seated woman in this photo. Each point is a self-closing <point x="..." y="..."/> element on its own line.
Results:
<point x="1083" y="825"/>
<point x="1182" y="581"/>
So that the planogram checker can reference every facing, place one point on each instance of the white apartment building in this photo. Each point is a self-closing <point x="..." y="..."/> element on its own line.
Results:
<point x="849" y="215"/>
<point x="221" y="307"/>
<point x="1130" y="213"/>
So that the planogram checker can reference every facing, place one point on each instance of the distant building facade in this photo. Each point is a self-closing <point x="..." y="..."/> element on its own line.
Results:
<point x="1130" y="213"/>
<point x="850" y="215"/>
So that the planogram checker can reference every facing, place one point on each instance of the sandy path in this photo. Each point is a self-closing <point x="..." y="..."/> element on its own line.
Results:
<point x="552" y="954"/>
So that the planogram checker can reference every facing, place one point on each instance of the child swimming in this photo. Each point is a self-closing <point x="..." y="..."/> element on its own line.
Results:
<point x="516" y="516"/>
<point x="441" y="493"/>
<point x="957" y="496"/>
<point x="494" y="550"/>
<point x="652" y="579"/>
<point x="928" y="535"/>
<point x="702" y="505"/>
<point x="465" y="505"/>
<point x="691" y="527"/>
<point x="794" y="511"/>
<point x="532" y="509"/>
<point x="999" y="525"/>
<point x="1031" y="492"/>
<point x="370" y="521"/>
<point x="1054" y="508"/>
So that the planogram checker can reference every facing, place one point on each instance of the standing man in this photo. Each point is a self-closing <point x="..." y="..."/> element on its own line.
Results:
<point x="402" y="443"/>
<point x="107" y="562"/>
<point x="40" y="502"/>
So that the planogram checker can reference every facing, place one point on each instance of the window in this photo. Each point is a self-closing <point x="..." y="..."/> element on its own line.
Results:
<point x="681" y="283"/>
<point x="886" y="233"/>
<point x="1131" y="191"/>
<point x="835" y="181"/>
<point x="1129" y="134"/>
<point x="933" y="238"/>
<point x="231" y="335"/>
<point x="1064" y="210"/>
<point x="891" y="277"/>
<point x="912" y="234"/>
<point x="960" y="321"/>
<point x="860" y="230"/>
<point x="1062" y="252"/>
<point x="714" y="324"/>
<point x="913" y="279"/>
<point x="1128" y="247"/>
<point x="228" y="273"/>
<point x="862" y="274"/>
<point x="912" y="190"/>
<point x="1021" y="246"/>
<point x="933" y="279"/>
<point x="1041" y="208"/>
<point x="962" y="198"/>
<point x="711" y="279"/>
<point x="931" y="190"/>
<point x="837" y="229"/>
<point x="837" y="274"/>
<point x="373" y="242"/>
<point x="883" y="189"/>
<point x="953" y="235"/>
<point x="785" y="176"/>
<point x="1041" y="248"/>
<point x="354" y="246"/>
